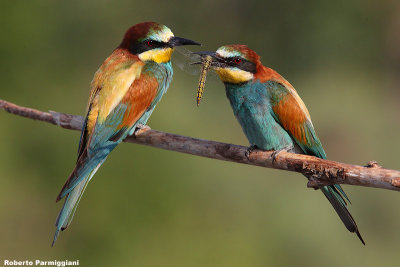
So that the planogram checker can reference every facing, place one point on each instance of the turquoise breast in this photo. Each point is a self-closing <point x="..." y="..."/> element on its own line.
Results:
<point x="252" y="107"/>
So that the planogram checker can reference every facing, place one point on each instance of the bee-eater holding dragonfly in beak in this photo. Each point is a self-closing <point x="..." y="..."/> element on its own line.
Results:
<point x="271" y="113"/>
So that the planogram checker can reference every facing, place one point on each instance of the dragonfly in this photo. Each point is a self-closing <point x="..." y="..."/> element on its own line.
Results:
<point x="195" y="64"/>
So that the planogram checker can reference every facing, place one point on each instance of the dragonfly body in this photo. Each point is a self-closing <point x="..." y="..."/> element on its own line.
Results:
<point x="205" y="66"/>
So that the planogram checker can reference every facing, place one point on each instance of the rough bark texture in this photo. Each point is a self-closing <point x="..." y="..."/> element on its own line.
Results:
<point x="321" y="172"/>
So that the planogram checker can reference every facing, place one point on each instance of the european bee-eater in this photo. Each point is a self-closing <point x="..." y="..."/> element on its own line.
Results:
<point x="124" y="92"/>
<point x="271" y="113"/>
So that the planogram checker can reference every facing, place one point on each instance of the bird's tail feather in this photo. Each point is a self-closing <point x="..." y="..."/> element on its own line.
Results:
<point x="336" y="196"/>
<point x="71" y="203"/>
<point x="83" y="168"/>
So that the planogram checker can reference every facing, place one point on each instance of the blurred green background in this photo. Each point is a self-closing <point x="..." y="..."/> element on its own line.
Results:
<point x="150" y="207"/>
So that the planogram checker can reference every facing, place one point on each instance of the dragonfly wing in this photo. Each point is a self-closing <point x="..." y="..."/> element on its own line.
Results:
<point x="190" y="63"/>
<point x="186" y="60"/>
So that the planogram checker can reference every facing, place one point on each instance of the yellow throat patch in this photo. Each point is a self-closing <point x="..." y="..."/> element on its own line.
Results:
<point x="161" y="55"/>
<point x="228" y="75"/>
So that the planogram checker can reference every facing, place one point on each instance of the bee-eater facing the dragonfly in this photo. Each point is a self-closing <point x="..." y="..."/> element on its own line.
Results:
<point x="271" y="113"/>
<point x="124" y="92"/>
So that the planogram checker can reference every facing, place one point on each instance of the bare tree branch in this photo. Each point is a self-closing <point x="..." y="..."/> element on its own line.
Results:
<point x="321" y="172"/>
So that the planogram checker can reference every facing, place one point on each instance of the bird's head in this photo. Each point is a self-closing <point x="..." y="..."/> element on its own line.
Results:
<point x="152" y="41"/>
<point x="234" y="63"/>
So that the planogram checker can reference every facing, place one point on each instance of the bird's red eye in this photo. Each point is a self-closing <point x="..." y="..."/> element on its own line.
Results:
<point x="150" y="43"/>
<point x="237" y="60"/>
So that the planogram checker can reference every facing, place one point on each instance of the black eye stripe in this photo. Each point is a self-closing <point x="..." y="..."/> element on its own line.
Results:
<point x="140" y="47"/>
<point x="242" y="64"/>
<point x="154" y="44"/>
<point x="235" y="60"/>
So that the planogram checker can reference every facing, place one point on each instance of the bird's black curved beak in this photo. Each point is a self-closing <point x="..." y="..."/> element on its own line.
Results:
<point x="206" y="53"/>
<point x="179" y="41"/>
<point x="217" y="60"/>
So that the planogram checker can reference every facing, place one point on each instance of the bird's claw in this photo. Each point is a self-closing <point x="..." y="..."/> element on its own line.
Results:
<point x="249" y="150"/>
<point x="277" y="152"/>
<point x="274" y="154"/>
<point x="141" y="128"/>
